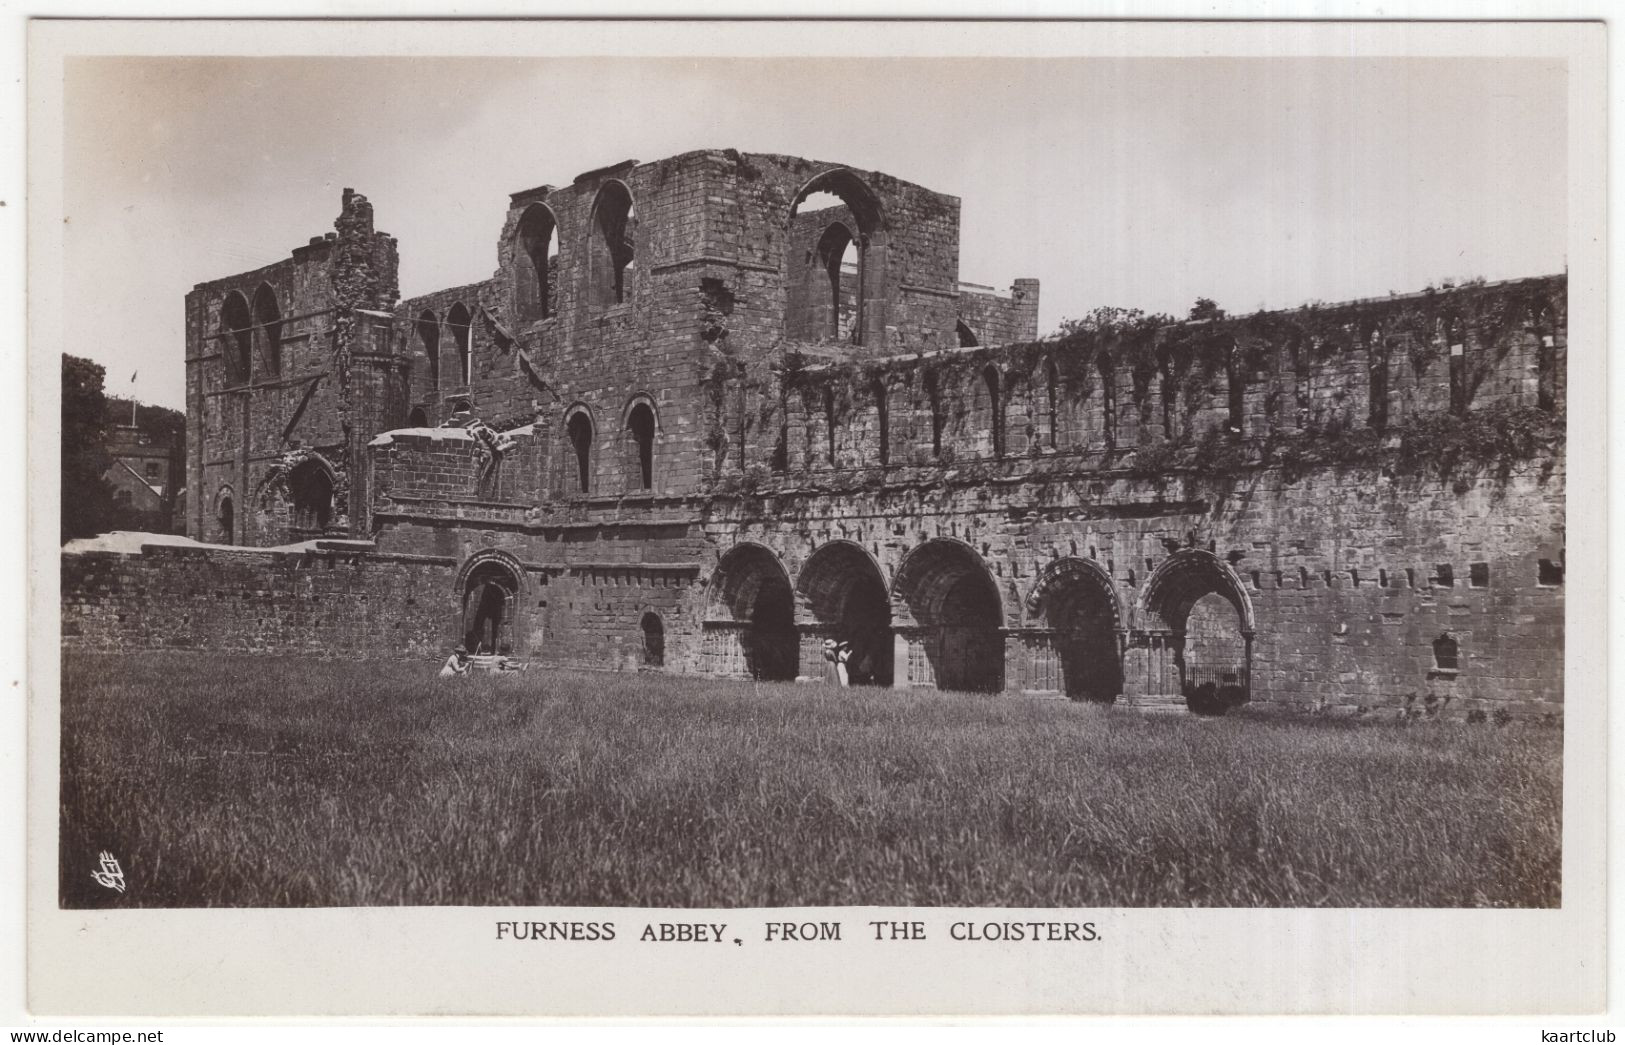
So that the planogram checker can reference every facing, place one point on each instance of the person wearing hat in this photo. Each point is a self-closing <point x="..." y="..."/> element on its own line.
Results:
<point x="457" y="664"/>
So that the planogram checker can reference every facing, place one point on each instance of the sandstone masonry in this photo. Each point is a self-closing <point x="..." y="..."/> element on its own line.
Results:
<point x="698" y="421"/>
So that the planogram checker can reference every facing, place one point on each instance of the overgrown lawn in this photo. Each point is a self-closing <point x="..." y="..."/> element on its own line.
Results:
<point x="284" y="781"/>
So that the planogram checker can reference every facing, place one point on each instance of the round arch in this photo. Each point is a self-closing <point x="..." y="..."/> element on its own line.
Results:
<point x="1187" y="576"/>
<point x="225" y="513"/>
<point x="491" y="592"/>
<point x="845" y="183"/>
<point x="814" y="301"/>
<point x="640" y="431"/>
<point x="944" y="588"/>
<point x="581" y="435"/>
<point x="1076" y="603"/>
<point x="841" y="593"/>
<point x="1197" y="599"/>
<point x="750" y="616"/>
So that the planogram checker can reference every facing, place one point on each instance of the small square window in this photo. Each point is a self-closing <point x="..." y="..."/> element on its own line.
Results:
<point x="1444" y="575"/>
<point x="1478" y="575"/>
<point x="1551" y="573"/>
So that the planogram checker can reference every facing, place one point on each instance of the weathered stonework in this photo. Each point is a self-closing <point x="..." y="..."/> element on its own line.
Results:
<point x="705" y="444"/>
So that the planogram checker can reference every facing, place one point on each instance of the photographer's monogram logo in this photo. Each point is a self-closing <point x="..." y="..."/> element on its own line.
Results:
<point x="110" y="875"/>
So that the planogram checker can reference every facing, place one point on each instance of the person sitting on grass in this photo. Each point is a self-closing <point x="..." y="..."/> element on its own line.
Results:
<point x="457" y="665"/>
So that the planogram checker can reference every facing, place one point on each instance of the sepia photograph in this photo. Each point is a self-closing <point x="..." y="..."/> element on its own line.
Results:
<point x="1050" y="482"/>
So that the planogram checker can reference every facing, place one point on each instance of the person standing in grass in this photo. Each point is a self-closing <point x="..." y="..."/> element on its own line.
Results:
<point x="839" y="653"/>
<point x="457" y="664"/>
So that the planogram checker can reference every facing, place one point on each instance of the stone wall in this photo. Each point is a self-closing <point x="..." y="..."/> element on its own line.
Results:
<point x="722" y="449"/>
<point x="279" y="359"/>
<point x="338" y="602"/>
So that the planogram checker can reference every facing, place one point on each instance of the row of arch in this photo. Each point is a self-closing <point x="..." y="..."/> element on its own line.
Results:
<point x="943" y="610"/>
<point x="639" y="433"/>
<point x="458" y="324"/>
<point x="610" y="253"/>
<point x="1053" y="422"/>
<point x="251" y="335"/>
<point x="307" y="493"/>
<point x="822" y="304"/>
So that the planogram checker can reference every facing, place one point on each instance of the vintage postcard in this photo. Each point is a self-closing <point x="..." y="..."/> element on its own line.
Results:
<point x="638" y="518"/>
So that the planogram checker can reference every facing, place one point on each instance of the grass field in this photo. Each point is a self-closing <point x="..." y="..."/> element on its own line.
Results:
<point x="272" y="781"/>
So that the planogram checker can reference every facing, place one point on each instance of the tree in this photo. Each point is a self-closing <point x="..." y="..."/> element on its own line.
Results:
<point x="1106" y="318"/>
<point x="87" y="502"/>
<point x="1205" y="308"/>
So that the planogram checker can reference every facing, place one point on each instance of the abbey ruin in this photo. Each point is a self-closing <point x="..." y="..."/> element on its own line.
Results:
<point x="709" y="412"/>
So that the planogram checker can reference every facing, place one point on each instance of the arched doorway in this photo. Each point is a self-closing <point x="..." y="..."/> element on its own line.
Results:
<point x="843" y="597"/>
<point x="958" y="616"/>
<point x="226" y="518"/>
<point x="310" y="495"/>
<point x="491" y="608"/>
<point x="1199" y="611"/>
<point x="1076" y="607"/>
<point x="750" y="626"/>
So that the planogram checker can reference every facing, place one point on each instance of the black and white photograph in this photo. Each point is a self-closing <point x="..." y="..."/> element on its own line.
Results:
<point x="616" y="486"/>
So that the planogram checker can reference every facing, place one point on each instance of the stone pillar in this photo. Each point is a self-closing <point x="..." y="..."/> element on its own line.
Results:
<point x="912" y="664"/>
<point x="1032" y="663"/>
<point x="812" y="667"/>
<point x="723" y="649"/>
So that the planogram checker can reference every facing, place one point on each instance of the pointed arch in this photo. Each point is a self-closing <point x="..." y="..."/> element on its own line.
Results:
<point x="878" y="393"/>
<point x="225" y="514"/>
<point x="993" y="388"/>
<point x="267" y="331"/>
<point x="310" y="486"/>
<point x="1377" y="354"/>
<point x="427" y="328"/>
<point x="1455" y="339"/>
<point x="839" y="309"/>
<point x="236" y="337"/>
<point x="812" y="272"/>
<point x="610" y="249"/>
<point x="457" y="322"/>
<point x="967" y="337"/>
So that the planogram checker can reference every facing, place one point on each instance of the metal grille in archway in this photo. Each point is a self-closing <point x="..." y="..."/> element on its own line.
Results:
<point x="1207" y="619"/>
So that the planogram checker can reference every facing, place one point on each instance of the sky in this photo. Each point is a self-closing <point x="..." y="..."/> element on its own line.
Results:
<point x="1140" y="183"/>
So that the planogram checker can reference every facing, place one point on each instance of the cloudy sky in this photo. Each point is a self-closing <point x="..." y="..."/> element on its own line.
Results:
<point x="1134" y="182"/>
